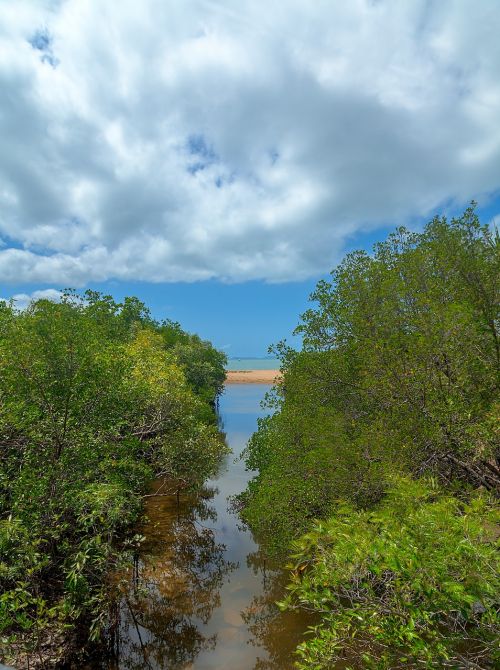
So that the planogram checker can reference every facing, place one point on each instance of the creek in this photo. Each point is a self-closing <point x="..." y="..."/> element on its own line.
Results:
<point x="202" y="593"/>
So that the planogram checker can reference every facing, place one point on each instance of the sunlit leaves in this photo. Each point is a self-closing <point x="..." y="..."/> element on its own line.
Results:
<point x="415" y="582"/>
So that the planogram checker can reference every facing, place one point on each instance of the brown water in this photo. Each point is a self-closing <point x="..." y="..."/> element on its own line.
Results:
<point x="201" y="595"/>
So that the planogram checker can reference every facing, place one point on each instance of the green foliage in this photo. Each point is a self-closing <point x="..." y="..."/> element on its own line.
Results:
<point x="399" y="371"/>
<point x="203" y="365"/>
<point x="398" y="377"/>
<point x="411" y="336"/>
<point x="415" y="583"/>
<point x="307" y="459"/>
<point x="93" y="405"/>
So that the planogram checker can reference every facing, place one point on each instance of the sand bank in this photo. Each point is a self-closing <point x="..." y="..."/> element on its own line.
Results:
<point x="251" y="376"/>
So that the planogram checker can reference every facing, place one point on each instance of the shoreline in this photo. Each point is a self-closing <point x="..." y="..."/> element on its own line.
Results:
<point x="252" y="376"/>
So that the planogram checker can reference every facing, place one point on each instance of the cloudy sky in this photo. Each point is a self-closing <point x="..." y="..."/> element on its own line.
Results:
<point x="214" y="155"/>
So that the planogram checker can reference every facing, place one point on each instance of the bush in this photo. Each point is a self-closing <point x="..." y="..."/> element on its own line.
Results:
<point x="413" y="584"/>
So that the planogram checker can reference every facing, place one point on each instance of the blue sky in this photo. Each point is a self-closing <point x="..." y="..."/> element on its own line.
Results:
<point x="216" y="159"/>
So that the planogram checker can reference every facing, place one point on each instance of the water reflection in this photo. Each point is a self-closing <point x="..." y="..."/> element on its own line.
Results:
<point x="173" y="587"/>
<point x="201" y="593"/>
<point x="276" y="631"/>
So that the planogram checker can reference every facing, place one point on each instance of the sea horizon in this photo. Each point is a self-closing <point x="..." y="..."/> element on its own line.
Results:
<point x="252" y="363"/>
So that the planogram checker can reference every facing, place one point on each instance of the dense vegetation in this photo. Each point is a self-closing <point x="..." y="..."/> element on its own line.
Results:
<point x="96" y="399"/>
<point x="383" y="449"/>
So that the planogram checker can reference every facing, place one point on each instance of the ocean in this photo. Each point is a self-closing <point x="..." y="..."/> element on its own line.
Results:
<point x="253" y="364"/>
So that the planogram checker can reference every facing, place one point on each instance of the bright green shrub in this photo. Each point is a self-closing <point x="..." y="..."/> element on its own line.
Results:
<point x="415" y="583"/>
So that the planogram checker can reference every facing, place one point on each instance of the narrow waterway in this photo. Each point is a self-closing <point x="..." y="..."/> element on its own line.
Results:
<point x="202" y="593"/>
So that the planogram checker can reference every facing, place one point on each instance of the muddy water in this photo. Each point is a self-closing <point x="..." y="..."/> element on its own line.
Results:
<point x="202" y="593"/>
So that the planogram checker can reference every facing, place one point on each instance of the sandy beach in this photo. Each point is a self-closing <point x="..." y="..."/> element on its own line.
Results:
<point x="251" y="376"/>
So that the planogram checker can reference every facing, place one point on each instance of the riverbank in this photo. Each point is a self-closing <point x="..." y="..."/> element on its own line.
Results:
<point x="252" y="376"/>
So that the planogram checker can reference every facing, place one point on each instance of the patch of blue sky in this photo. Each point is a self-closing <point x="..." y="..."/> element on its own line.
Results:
<point x="198" y="146"/>
<point x="274" y="156"/>
<point x="41" y="40"/>
<point x="10" y="243"/>
<point x="193" y="168"/>
<point x="489" y="210"/>
<point x="204" y="152"/>
<point x="224" y="179"/>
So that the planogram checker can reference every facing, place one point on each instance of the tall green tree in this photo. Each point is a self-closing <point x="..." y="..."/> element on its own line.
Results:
<point x="93" y="405"/>
<point x="398" y="376"/>
<point x="399" y="368"/>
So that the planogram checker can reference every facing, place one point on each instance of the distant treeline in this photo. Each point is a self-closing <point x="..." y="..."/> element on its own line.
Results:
<point x="384" y="451"/>
<point x="96" y="399"/>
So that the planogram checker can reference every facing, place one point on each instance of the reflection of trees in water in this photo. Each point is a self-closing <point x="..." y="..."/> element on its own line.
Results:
<point x="153" y="635"/>
<point x="277" y="632"/>
<point x="173" y="588"/>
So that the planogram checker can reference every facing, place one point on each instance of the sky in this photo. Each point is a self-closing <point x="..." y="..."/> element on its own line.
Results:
<point x="216" y="158"/>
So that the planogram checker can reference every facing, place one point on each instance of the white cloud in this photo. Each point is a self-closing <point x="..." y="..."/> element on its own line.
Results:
<point x="169" y="141"/>
<point x="22" y="300"/>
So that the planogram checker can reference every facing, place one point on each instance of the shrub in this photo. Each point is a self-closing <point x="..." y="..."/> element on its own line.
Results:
<point x="414" y="583"/>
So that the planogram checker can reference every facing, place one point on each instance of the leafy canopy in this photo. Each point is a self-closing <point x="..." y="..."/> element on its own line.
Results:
<point x="96" y="399"/>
